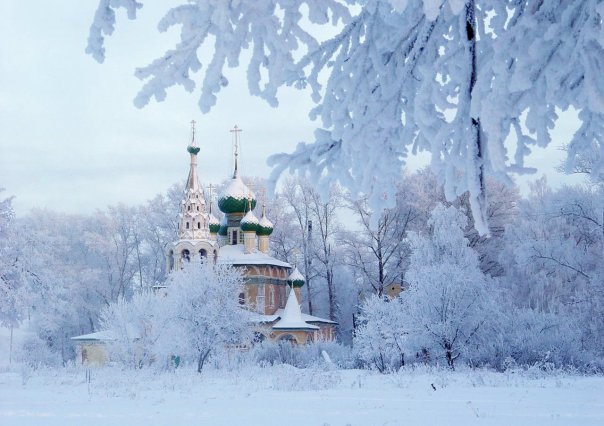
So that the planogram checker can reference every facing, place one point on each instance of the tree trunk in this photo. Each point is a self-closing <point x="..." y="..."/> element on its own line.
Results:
<point x="331" y="295"/>
<point x="202" y="359"/>
<point x="449" y="355"/>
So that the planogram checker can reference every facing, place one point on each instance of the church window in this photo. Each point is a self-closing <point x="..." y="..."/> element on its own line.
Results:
<point x="197" y="208"/>
<point x="203" y="254"/>
<point x="260" y="299"/>
<point x="186" y="256"/>
<point x="234" y="237"/>
<point x="271" y="297"/>
<point x="187" y="225"/>
<point x="242" y="298"/>
<point x="189" y="208"/>
<point x="198" y="225"/>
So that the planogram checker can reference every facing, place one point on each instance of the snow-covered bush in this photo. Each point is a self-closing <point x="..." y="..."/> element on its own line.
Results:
<point x="34" y="353"/>
<point x="381" y="339"/>
<point x="302" y="356"/>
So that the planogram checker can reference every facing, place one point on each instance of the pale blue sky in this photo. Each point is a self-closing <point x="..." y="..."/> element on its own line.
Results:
<point x="71" y="139"/>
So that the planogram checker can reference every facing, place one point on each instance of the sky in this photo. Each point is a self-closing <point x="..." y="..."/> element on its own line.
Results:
<point x="71" y="139"/>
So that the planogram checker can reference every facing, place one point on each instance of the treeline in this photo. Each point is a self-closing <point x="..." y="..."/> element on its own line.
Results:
<point x="532" y="291"/>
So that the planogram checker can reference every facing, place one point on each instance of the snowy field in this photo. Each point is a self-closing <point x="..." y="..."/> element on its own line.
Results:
<point x="284" y="395"/>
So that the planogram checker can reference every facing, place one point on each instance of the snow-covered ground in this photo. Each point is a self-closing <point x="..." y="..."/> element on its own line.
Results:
<point x="284" y="395"/>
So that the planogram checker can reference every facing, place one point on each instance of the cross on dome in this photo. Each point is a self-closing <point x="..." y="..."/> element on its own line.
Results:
<point x="236" y="140"/>
<point x="193" y="122"/>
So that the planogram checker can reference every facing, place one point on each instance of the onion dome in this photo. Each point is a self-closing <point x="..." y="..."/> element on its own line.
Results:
<point x="214" y="224"/>
<point x="265" y="226"/>
<point x="249" y="222"/>
<point x="222" y="230"/>
<point x="193" y="149"/>
<point x="236" y="197"/>
<point x="296" y="278"/>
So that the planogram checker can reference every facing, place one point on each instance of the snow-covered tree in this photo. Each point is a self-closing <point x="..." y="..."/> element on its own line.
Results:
<point x="133" y="328"/>
<point x="378" y="253"/>
<point x="552" y="257"/>
<point x="380" y="340"/>
<point x="12" y="297"/>
<point x="448" y="299"/>
<point x="324" y="231"/>
<point x="202" y="313"/>
<point x="424" y="193"/>
<point x="455" y="78"/>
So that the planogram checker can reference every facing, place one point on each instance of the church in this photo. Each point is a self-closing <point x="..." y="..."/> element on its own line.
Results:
<point x="271" y="286"/>
<point x="241" y="239"/>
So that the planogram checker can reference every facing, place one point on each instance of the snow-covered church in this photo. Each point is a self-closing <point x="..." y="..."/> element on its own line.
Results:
<point x="272" y="286"/>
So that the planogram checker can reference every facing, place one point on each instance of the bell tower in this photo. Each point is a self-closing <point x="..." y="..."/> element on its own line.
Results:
<point x="193" y="218"/>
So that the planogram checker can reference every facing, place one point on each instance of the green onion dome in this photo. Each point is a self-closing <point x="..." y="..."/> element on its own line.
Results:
<point x="193" y="149"/>
<point x="214" y="224"/>
<point x="222" y="230"/>
<point x="265" y="226"/>
<point x="249" y="222"/>
<point x="236" y="197"/>
<point x="296" y="278"/>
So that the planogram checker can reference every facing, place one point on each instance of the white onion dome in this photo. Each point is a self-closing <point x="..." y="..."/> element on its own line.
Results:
<point x="296" y="278"/>
<point x="265" y="226"/>
<point x="213" y="223"/>
<point x="249" y="222"/>
<point x="236" y="197"/>
<point x="222" y="230"/>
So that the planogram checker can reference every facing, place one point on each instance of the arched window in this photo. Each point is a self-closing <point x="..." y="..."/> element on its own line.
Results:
<point x="198" y="225"/>
<point x="189" y="208"/>
<point x="242" y="298"/>
<point x="186" y="256"/>
<point x="271" y="296"/>
<point x="203" y="254"/>
<point x="197" y="208"/>
<point x="171" y="260"/>
<point x="187" y="225"/>
<point x="288" y="338"/>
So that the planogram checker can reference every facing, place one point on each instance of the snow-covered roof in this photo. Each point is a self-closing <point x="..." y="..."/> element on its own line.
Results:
<point x="296" y="275"/>
<point x="235" y="255"/>
<point x="292" y="316"/>
<point x="249" y="217"/>
<point x="238" y="190"/>
<point x="255" y="317"/>
<point x="312" y="318"/>
<point x="264" y="222"/>
<point x="106" y="335"/>
<point x="99" y="335"/>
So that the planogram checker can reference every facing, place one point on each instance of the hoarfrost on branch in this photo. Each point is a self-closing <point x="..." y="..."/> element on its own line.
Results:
<point x="477" y="83"/>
